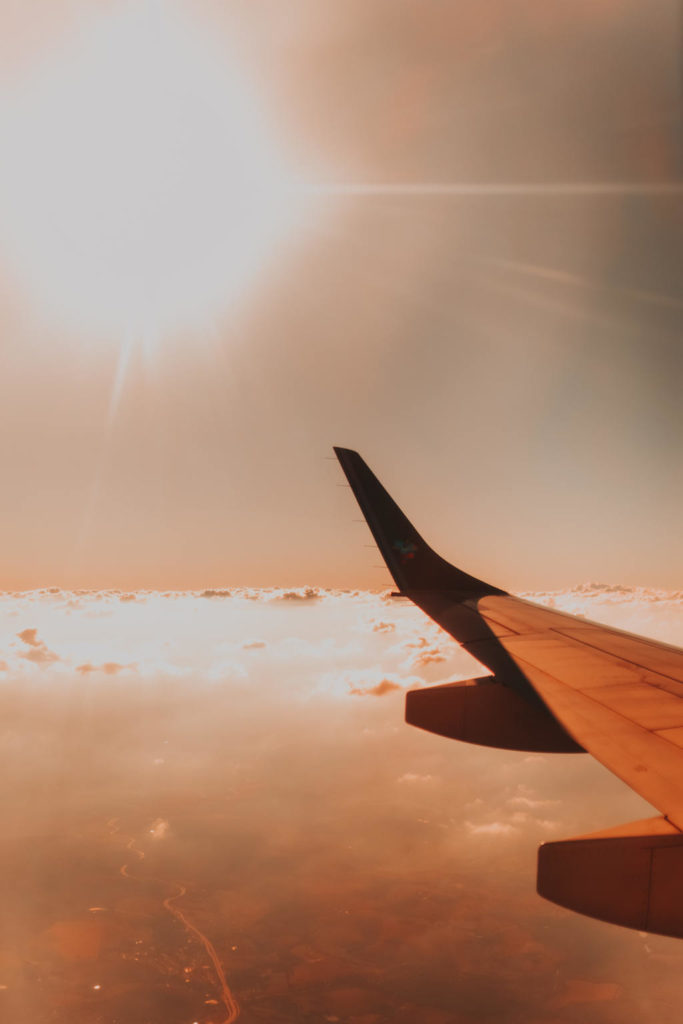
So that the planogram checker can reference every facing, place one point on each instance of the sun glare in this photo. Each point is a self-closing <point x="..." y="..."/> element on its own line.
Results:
<point x="142" y="187"/>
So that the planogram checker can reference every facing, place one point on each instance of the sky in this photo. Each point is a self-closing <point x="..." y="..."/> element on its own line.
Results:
<point x="239" y="758"/>
<point x="231" y="236"/>
<point x="223" y="251"/>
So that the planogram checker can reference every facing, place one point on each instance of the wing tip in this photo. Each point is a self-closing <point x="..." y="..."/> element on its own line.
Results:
<point x="410" y="560"/>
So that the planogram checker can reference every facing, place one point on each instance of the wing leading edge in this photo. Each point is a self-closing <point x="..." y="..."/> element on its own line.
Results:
<point x="557" y="684"/>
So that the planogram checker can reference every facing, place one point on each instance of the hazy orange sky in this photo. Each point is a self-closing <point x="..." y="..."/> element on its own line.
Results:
<point x="447" y="234"/>
<point x="187" y="329"/>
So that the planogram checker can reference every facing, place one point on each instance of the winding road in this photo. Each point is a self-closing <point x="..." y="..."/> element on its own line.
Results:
<point x="229" y="1001"/>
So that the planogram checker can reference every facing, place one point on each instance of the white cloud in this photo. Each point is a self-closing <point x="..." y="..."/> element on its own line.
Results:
<point x="413" y="777"/>
<point x="159" y="829"/>
<point x="529" y="804"/>
<point x="642" y="610"/>
<point x="494" y="828"/>
<point x="310" y="642"/>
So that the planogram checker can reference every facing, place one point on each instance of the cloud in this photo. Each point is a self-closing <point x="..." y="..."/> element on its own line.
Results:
<point x="30" y="636"/>
<point x="517" y="813"/>
<point x="433" y="646"/>
<point x="159" y="828"/>
<point x="579" y="991"/>
<point x="228" y="670"/>
<point x="38" y="651"/>
<point x="616" y="592"/>
<point x="110" y="668"/>
<point x="302" y="594"/>
<point x="375" y="681"/>
<point x="345" y="643"/>
<point x="529" y="804"/>
<point x="431" y="657"/>
<point x="274" y="738"/>
<point x="495" y="828"/>
<point x="379" y="690"/>
<point x="413" y="777"/>
<point x="646" y="611"/>
<point x="526" y="799"/>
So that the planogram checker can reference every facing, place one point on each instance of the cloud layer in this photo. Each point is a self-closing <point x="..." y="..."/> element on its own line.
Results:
<point x="244" y="760"/>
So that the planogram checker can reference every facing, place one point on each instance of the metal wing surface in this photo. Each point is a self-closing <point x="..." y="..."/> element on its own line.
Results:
<point x="558" y="683"/>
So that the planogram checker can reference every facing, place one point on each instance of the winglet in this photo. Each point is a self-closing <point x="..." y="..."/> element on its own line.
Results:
<point x="410" y="560"/>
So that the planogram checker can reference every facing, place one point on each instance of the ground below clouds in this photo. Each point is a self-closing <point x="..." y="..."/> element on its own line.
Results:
<point x="230" y="771"/>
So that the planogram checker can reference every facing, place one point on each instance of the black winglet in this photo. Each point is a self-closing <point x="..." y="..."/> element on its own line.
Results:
<point x="410" y="560"/>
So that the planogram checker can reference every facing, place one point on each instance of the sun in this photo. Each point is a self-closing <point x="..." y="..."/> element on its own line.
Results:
<point x="142" y="186"/>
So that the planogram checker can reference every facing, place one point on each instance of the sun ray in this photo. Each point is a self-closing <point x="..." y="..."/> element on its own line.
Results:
<point x="538" y="188"/>
<point x="564" y="277"/>
<point x="122" y="363"/>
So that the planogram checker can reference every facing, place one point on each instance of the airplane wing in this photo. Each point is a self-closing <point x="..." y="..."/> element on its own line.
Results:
<point x="558" y="683"/>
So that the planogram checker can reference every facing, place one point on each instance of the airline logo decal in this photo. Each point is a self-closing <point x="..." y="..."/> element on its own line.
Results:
<point x="405" y="548"/>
